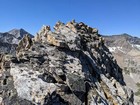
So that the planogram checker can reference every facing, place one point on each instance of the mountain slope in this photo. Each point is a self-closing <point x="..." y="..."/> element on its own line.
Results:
<point x="9" y="40"/>
<point x="70" y="66"/>
<point x="126" y="50"/>
<point x="19" y="33"/>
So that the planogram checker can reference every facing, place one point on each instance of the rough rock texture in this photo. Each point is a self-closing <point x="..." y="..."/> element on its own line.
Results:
<point x="70" y="66"/>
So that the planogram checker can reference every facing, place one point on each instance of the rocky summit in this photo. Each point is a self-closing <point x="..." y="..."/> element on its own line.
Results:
<point x="67" y="66"/>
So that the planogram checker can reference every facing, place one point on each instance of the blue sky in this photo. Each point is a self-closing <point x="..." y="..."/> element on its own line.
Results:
<point x="109" y="16"/>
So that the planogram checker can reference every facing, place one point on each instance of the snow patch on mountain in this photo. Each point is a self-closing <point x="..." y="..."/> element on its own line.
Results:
<point x="137" y="46"/>
<point x="113" y="49"/>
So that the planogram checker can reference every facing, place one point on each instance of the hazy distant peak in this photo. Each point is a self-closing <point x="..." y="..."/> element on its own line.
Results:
<point x="125" y="34"/>
<point x="19" y="33"/>
<point x="123" y="42"/>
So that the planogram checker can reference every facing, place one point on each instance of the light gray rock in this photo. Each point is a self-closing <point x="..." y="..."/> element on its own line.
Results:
<point x="29" y="86"/>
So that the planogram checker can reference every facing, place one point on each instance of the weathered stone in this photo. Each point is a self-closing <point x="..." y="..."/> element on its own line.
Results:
<point x="71" y="26"/>
<point x="57" y="25"/>
<point x="56" y="42"/>
<point x="29" y="89"/>
<point x="76" y="84"/>
<point x="42" y="34"/>
<point x="24" y="44"/>
<point x="54" y="99"/>
<point x="72" y="99"/>
<point x="120" y="89"/>
<point x="70" y="66"/>
<point x="1" y="103"/>
<point x="94" y="30"/>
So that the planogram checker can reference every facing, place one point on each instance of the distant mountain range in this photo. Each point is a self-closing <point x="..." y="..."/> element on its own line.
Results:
<point x="10" y="39"/>
<point x="19" y="33"/>
<point x="126" y="50"/>
<point x="123" y="45"/>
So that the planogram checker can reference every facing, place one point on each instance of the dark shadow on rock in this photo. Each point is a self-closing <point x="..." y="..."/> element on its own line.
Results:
<point x="54" y="99"/>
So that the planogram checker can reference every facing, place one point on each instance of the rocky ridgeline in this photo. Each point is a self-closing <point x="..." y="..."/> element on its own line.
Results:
<point x="70" y="66"/>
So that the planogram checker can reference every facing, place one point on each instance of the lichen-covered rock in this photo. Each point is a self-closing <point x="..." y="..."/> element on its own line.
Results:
<point x="70" y="66"/>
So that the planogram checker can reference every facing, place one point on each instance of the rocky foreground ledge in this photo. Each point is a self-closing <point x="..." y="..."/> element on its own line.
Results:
<point x="69" y="66"/>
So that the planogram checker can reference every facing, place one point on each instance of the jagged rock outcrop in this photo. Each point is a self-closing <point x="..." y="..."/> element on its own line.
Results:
<point x="70" y="66"/>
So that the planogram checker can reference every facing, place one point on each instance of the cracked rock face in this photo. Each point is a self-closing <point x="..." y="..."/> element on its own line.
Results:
<point x="70" y="66"/>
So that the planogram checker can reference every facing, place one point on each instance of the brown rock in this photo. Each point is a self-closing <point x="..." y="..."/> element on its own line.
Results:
<point x="71" y="26"/>
<point x="53" y="40"/>
<point x="24" y="44"/>
<point x="42" y="34"/>
<point x="58" y="24"/>
<point x="94" y="30"/>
